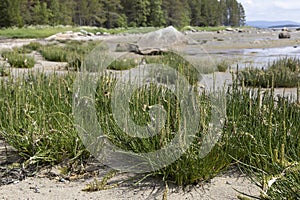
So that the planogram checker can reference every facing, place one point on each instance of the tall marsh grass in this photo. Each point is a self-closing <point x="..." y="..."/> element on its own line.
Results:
<point x="260" y="135"/>
<point x="264" y="135"/>
<point x="36" y="118"/>
<point x="284" y="72"/>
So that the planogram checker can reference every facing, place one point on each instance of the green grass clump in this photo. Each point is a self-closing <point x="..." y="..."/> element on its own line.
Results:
<point x="54" y="53"/>
<point x="281" y="73"/>
<point x="123" y="64"/>
<point x="32" y="46"/>
<point x="18" y="60"/>
<point x="266" y="142"/>
<point x="72" y="52"/>
<point x="178" y="63"/>
<point x="36" y="118"/>
<point x="223" y="66"/>
<point x="3" y="71"/>
<point x="264" y="139"/>
<point x="190" y="168"/>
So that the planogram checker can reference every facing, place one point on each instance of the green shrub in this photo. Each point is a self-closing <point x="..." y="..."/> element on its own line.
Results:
<point x="18" y="60"/>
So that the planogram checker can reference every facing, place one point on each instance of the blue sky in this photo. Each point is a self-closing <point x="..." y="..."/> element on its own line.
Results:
<point x="272" y="10"/>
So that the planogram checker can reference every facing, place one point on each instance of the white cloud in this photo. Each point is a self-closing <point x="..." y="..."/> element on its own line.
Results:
<point x="287" y="4"/>
<point x="272" y="10"/>
<point x="248" y="1"/>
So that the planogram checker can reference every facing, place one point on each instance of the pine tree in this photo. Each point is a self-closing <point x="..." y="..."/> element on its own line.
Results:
<point x="14" y="13"/>
<point x="177" y="12"/>
<point x="196" y="14"/>
<point x="142" y="11"/>
<point x="223" y="13"/>
<point x="96" y="16"/>
<point x="119" y="13"/>
<point x="40" y="13"/>
<point x="66" y="12"/>
<point x="81" y="12"/>
<point x="204" y="18"/>
<point x="54" y="12"/>
<point x="4" y="18"/>
<point x="114" y="14"/>
<point x="137" y="12"/>
<point x="26" y="11"/>
<point x="242" y="15"/>
<point x="156" y="16"/>
<point x="233" y="13"/>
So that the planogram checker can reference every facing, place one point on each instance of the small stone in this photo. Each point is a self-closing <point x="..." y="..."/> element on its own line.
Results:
<point x="229" y="29"/>
<point x="62" y="180"/>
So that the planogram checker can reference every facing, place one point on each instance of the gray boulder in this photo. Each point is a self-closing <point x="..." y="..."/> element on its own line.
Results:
<point x="284" y="35"/>
<point x="126" y="47"/>
<point x="84" y="32"/>
<point x="160" y="41"/>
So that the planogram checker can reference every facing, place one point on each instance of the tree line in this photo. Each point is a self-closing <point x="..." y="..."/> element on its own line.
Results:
<point x="122" y="13"/>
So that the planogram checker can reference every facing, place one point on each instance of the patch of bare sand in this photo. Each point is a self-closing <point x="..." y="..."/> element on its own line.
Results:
<point x="222" y="187"/>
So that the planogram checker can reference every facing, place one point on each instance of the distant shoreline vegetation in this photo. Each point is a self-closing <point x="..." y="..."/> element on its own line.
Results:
<point x="44" y="31"/>
<point x="122" y="13"/>
<point x="287" y="26"/>
<point x="273" y="24"/>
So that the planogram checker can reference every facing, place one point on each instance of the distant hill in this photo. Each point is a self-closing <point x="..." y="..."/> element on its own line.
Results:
<point x="272" y="24"/>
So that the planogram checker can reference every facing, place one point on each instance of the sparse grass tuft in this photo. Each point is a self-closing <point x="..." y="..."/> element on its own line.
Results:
<point x="101" y="185"/>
